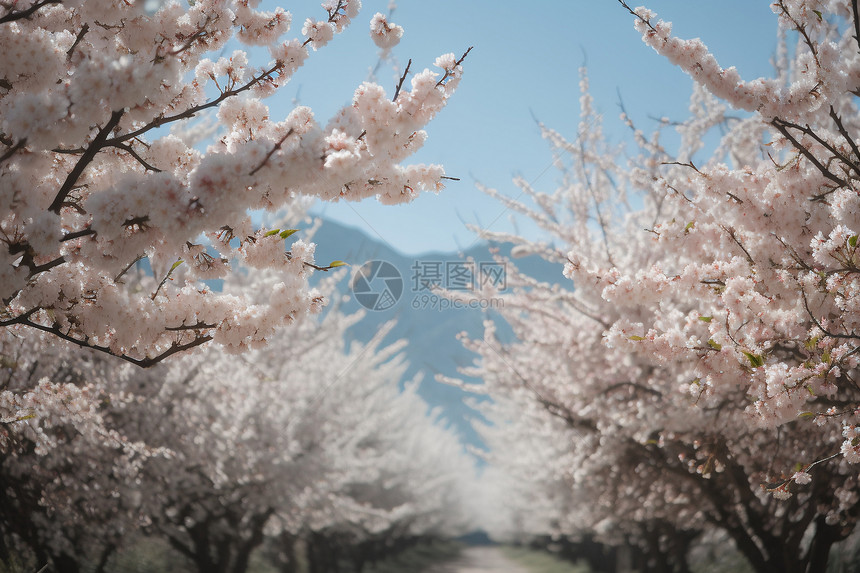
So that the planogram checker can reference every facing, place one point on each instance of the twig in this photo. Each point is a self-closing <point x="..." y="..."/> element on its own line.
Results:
<point x="457" y="63"/>
<point x="808" y="131"/>
<point x="801" y="29"/>
<point x="142" y="362"/>
<point x="842" y="131"/>
<point x="128" y="149"/>
<point x="687" y="164"/>
<point x="165" y="279"/>
<point x="734" y="237"/>
<point x="84" y="29"/>
<point x="125" y="270"/>
<point x="13" y="150"/>
<point x="271" y="152"/>
<point x="402" y="79"/>
<point x="12" y="16"/>
<point x="199" y="325"/>
<point x="781" y="127"/>
<point x="633" y="12"/>
<point x="192" y="111"/>
<point x="817" y="324"/>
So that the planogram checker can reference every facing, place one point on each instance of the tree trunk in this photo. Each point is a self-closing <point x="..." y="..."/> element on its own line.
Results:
<point x="65" y="563"/>
<point x="822" y="543"/>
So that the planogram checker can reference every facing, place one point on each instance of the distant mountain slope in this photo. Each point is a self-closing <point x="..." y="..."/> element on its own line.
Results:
<point x="431" y="331"/>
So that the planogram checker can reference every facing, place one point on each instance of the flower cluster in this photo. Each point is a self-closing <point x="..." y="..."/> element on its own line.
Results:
<point x="109" y="224"/>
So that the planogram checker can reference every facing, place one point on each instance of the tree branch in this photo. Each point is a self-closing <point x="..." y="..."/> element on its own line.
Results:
<point x="77" y="234"/>
<point x="12" y="16"/>
<point x="272" y="152"/>
<point x="94" y="147"/>
<point x="192" y="111"/>
<point x="781" y="126"/>
<point x="13" y="150"/>
<point x="856" y="22"/>
<point x="457" y="63"/>
<point x="174" y="348"/>
<point x="128" y="149"/>
<point x="402" y="79"/>
<point x="842" y="131"/>
<point x="808" y="131"/>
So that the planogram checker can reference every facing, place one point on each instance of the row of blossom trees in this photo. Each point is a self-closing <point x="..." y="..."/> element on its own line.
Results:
<point x="116" y="219"/>
<point x="702" y="373"/>
<point x="308" y="444"/>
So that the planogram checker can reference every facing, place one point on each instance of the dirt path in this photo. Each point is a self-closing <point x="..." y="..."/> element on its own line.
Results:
<point x="480" y="560"/>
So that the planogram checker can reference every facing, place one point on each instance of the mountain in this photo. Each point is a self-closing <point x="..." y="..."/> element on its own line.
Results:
<point x="396" y="286"/>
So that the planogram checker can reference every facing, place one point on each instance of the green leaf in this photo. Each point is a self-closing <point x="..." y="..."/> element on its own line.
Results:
<point x="825" y="357"/>
<point x="714" y="345"/>
<point x="852" y="241"/>
<point x="811" y="344"/>
<point x="272" y="232"/>
<point x="806" y="415"/>
<point x="176" y="264"/>
<point x="636" y="338"/>
<point x="287" y="232"/>
<point x="706" y="318"/>
<point x="696" y="381"/>
<point x="818" y="13"/>
<point x="755" y="359"/>
<point x="334" y="264"/>
<point x="810" y="390"/>
<point x="798" y="467"/>
<point x="689" y="226"/>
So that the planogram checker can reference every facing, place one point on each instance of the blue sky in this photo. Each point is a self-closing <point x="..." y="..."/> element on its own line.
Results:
<point x="525" y="61"/>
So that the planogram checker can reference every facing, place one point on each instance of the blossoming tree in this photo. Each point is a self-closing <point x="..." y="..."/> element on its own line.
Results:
<point x="93" y="180"/>
<point x="707" y="355"/>
<point x="306" y="443"/>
